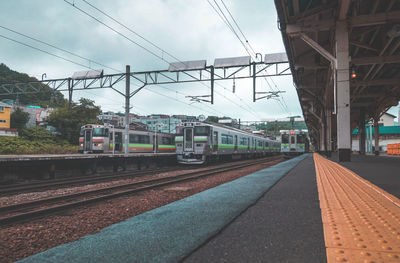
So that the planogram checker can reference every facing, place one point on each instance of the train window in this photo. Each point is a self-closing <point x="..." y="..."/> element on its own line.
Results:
<point x="201" y="131"/>
<point x="179" y="131"/>
<point x="166" y="140"/>
<point x="111" y="137"/>
<point x="226" y="139"/>
<point x="98" y="132"/>
<point x="300" y="138"/>
<point x="266" y="144"/>
<point x="260" y="143"/>
<point x="285" y="138"/>
<point x="133" y="138"/>
<point x="215" y="138"/>
<point x="144" y="139"/>
<point x="292" y="139"/>
<point x="106" y="133"/>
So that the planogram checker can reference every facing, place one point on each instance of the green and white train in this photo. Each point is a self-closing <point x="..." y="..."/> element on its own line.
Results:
<point x="294" y="142"/>
<point x="197" y="143"/>
<point x="98" y="138"/>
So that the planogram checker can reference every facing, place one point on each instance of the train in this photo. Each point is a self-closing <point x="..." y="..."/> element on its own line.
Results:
<point x="198" y="143"/>
<point x="99" y="138"/>
<point x="294" y="142"/>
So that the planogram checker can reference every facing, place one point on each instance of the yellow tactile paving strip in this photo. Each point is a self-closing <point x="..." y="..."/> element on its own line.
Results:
<point x="361" y="221"/>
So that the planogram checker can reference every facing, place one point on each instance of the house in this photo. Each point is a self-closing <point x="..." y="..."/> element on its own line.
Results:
<point x="387" y="119"/>
<point x="5" y="115"/>
<point x="5" y="121"/>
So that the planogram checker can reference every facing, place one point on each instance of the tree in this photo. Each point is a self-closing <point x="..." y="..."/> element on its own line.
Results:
<point x="46" y="97"/>
<point x="69" y="122"/>
<point x="19" y="119"/>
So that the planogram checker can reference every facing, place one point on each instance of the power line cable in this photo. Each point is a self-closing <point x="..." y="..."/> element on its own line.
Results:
<point x="55" y="47"/>
<point x="41" y="50"/>
<point x="226" y="21"/>
<point x="121" y="34"/>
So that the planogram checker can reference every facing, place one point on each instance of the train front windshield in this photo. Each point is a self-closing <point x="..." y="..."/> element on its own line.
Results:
<point x="285" y="138"/>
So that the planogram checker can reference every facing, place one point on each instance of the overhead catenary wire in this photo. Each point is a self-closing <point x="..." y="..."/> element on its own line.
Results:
<point x="44" y="51"/>
<point x="58" y="48"/>
<point x="227" y="22"/>
<point x="146" y="49"/>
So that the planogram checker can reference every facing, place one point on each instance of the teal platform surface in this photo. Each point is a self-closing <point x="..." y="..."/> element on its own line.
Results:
<point x="171" y="232"/>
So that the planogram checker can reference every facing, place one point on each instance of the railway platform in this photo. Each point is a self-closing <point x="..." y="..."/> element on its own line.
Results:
<point x="307" y="209"/>
<point x="49" y="165"/>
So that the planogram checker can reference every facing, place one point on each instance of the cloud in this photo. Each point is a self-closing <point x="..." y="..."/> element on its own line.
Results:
<point x="189" y="30"/>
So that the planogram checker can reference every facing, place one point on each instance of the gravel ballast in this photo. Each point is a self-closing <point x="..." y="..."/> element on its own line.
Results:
<point x="21" y="240"/>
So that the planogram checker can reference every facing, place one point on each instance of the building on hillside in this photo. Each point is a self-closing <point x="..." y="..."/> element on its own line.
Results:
<point x="387" y="135"/>
<point x="387" y="119"/>
<point x="116" y="119"/>
<point x="164" y="123"/>
<point x="5" y="115"/>
<point x="37" y="114"/>
<point x="5" y="121"/>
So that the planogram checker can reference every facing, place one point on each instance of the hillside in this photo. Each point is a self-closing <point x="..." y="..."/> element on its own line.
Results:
<point x="43" y="98"/>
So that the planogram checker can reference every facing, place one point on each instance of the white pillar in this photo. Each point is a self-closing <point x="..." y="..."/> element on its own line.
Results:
<point x="329" y="131"/>
<point x="343" y="91"/>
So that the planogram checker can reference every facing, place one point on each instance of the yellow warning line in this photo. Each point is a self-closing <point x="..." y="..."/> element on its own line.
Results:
<point x="361" y="221"/>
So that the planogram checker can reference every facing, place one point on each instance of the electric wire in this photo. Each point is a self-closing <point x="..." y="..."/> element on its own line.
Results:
<point x="121" y="34"/>
<point x="226" y="21"/>
<point x="58" y="48"/>
<point x="41" y="50"/>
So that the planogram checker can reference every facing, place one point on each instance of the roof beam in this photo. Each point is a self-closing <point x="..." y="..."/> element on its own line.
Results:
<point x="321" y="25"/>
<point x="377" y="82"/>
<point x="375" y="60"/>
<point x="318" y="48"/>
<point x="362" y="45"/>
<point x="374" y="19"/>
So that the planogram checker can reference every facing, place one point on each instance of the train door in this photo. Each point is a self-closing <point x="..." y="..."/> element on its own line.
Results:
<point x="248" y="144"/>
<point x="236" y="143"/>
<point x="292" y="142"/>
<point x="118" y="141"/>
<point x="215" y="141"/>
<point x="87" y="144"/>
<point x="188" y="139"/>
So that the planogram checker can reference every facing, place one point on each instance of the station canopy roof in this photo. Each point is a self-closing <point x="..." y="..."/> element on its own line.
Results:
<point x="374" y="50"/>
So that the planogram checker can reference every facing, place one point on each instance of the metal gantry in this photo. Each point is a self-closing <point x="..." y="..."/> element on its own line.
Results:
<point x="178" y="72"/>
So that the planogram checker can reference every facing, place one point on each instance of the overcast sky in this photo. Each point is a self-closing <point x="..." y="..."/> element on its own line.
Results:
<point x="187" y="29"/>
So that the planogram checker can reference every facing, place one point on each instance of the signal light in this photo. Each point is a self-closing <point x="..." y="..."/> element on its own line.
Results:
<point x="353" y="73"/>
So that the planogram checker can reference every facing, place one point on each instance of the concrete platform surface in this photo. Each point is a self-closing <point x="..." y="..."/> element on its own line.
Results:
<point x="170" y="233"/>
<point x="383" y="171"/>
<point x="284" y="225"/>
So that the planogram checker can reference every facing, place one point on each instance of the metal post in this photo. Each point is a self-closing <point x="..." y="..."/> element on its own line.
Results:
<point x="70" y="88"/>
<point x="127" y="107"/>
<point x="254" y="82"/>
<point x="376" y="135"/>
<point x="212" y="85"/>
<point x="361" y="132"/>
<point x="155" y="139"/>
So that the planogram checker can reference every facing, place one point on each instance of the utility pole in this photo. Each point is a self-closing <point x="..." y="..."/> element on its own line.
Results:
<point x="127" y="107"/>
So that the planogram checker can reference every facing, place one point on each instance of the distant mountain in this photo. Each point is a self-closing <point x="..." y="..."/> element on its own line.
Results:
<point x="43" y="98"/>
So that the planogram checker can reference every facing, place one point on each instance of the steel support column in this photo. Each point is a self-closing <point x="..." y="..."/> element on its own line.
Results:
<point x="376" y="135"/>
<point x="328" y="132"/>
<point x="361" y="132"/>
<point x="343" y="91"/>
<point x="322" y="141"/>
<point x="127" y="107"/>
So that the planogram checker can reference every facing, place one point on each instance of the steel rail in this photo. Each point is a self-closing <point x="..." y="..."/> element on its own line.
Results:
<point x="18" y="213"/>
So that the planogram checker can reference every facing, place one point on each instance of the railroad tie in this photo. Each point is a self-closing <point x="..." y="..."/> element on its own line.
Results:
<point x="361" y="221"/>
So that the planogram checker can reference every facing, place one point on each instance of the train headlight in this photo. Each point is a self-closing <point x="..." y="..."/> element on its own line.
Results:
<point x="81" y="144"/>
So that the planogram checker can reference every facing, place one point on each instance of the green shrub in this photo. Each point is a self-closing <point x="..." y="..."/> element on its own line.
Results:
<point x="21" y="145"/>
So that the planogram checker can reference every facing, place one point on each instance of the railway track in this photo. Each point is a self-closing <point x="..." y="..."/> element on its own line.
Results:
<point x="39" y="186"/>
<point x="37" y="208"/>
